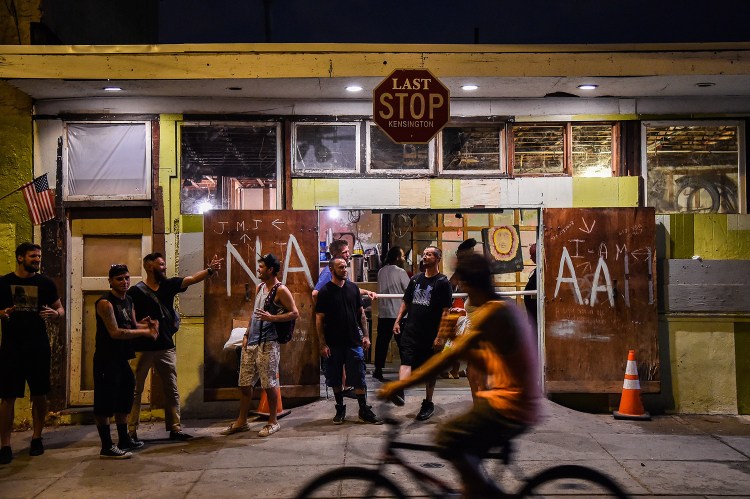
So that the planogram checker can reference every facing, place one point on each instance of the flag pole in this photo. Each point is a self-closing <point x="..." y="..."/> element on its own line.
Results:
<point x="12" y="192"/>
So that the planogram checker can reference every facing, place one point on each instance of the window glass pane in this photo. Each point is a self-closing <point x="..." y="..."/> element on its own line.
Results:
<point x="538" y="149"/>
<point x="472" y="148"/>
<point x="592" y="150"/>
<point x="326" y="148"/>
<point x="109" y="160"/>
<point x="692" y="168"/>
<point x="387" y="155"/>
<point x="228" y="166"/>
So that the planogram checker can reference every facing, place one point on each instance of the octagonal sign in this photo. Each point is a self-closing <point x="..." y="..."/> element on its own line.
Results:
<point x="411" y="106"/>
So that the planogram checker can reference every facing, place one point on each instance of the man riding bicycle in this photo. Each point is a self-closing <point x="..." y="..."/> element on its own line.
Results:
<point x="501" y="344"/>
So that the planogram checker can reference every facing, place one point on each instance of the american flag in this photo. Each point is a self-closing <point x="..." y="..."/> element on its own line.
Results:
<point x="40" y="199"/>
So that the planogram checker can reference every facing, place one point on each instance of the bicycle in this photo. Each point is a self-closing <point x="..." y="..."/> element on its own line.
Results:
<point x="358" y="481"/>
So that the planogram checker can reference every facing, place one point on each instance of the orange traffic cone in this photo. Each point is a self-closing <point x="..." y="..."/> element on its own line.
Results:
<point x="264" y="410"/>
<point x="631" y="406"/>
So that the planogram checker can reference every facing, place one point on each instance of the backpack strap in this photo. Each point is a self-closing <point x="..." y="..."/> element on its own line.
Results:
<point x="271" y="296"/>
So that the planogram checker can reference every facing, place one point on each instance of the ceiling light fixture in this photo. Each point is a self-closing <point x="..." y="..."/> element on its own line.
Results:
<point x="234" y="89"/>
<point x="353" y="88"/>
<point x="469" y="88"/>
<point x="705" y="84"/>
<point x="112" y="89"/>
<point x="588" y="86"/>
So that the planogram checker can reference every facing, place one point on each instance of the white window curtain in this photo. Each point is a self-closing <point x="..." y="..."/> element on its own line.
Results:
<point x="108" y="160"/>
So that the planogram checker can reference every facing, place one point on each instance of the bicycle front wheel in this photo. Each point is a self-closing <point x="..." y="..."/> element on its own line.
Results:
<point x="571" y="480"/>
<point x="351" y="482"/>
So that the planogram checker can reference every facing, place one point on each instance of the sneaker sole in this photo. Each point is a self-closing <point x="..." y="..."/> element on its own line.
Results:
<point x="424" y="418"/>
<point x="370" y="422"/>
<point x="127" y="455"/>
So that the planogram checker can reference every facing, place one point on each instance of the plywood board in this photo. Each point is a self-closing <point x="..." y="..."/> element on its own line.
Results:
<point x="599" y="298"/>
<point x="240" y="237"/>
<point x="718" y="286"/>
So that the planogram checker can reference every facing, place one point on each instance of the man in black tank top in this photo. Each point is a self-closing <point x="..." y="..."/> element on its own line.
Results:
<point x="114" y="383"/>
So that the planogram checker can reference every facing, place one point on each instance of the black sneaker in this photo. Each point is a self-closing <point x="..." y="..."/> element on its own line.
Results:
<point x="37" y="448"/>
<point x="115" y="452"/>
<point x="340" y="414"/>
<point x="426" y="411"/>
<point x="398" y="398"/>
<point x="367" y="416"/>
<point x="6" y="455"/>
<point x="130" y="444"/>
<point x="134" y="436"/>
<point x="179" y="436"/>
<point x="378" y="375"/>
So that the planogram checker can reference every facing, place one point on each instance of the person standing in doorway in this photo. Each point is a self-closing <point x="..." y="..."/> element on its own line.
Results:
<point x="260" y="348"/>
<point x="154" y="298"/>
<point x="343" y="334"/>
<point x="114" y="382"/>
<point x="529" y="301"/>
<point x="426" y="296"/>
<point x="392" y="279"/>
<point x="25" y="350"/>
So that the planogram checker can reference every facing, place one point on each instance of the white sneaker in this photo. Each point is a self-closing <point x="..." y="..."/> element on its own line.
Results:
<point x="269" y="429"/>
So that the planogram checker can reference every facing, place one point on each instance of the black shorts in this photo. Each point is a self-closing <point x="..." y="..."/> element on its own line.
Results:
<point x="415" y="349"/>
<point x="18" y="367"/>
<point x="350" y="358"/>
<point x="114" y="385"/>
<point x="476" y="432"/>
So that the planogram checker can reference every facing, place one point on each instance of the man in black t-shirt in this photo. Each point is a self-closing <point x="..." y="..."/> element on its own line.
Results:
<point x="154" y="298"/>
<point x="27" y="300"/>
<point x="425" y="298"/>
<point x="114" y="382"/>
<point x="342" y="330"/>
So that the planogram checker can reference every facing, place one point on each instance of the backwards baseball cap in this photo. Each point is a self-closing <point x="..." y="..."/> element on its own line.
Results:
<point x="117" y="269"/>
<point x="271" y="262"/>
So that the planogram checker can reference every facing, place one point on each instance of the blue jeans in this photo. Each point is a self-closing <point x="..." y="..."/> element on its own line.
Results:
<point x="351" y="358"/>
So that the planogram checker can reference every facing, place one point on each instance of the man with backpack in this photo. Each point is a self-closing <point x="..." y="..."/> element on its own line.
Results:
<point x="273" y="316"/>
<point x="154" y="297"/>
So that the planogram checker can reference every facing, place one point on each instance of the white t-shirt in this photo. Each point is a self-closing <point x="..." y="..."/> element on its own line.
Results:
<point x="392" y="279"/>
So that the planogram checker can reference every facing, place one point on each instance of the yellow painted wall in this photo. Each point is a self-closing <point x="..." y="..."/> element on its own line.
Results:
<point x="702" y="361"/>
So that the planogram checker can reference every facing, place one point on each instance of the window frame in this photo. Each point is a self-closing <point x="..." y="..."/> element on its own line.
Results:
<point x="567" y="126"/>
<point x="280" y="184"/>
<point x="370" y="172"/>
<point x="741" y="154"/>
<point x="301" y="172"/>
<point x="74" y="198"/>
<point x="503" y="170"/>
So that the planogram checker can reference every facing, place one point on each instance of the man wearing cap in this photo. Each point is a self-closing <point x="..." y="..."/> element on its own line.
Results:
<point x="154" y="298"/>
<point x="260" y="348"/>
<point x="113" y="379"/>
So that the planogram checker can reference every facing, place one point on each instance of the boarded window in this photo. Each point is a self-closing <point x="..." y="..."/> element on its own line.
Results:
<point x="473" y="148"/>
<point x="325" y="147"/>
<point x="229" y="166"/>
<point x="108" y="160"/>
<point x="693" y="167"/>
<point x="384" y="155"/>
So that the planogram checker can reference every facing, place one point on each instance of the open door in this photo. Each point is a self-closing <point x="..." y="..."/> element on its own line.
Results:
<point x="599" y="298"/>
<point x="240" y="237"/>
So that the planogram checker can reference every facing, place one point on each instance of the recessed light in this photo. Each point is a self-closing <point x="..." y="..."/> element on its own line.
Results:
<point x="353" y="88"/>
<point x="705" y="84"/>
<point x="234" y="89"/>
<point x="112" y="89"/>
<point x="588" y="86"/>
<point x="469" y="88"/>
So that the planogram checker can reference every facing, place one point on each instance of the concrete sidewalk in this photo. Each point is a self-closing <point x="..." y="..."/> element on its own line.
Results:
<point x="679" y="456"/>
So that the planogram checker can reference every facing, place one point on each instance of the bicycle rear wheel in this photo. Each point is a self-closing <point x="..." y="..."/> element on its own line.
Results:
<point x="351" y="482"/>
<point x="571" y="480"/>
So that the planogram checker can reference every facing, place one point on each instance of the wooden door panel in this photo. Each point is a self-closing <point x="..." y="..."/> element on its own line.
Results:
<point x="599" y="298"/>
<point x="240" y="236"/>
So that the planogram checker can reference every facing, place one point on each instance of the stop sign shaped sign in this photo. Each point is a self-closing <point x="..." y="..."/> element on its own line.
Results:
<point x="411" y="106"/>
